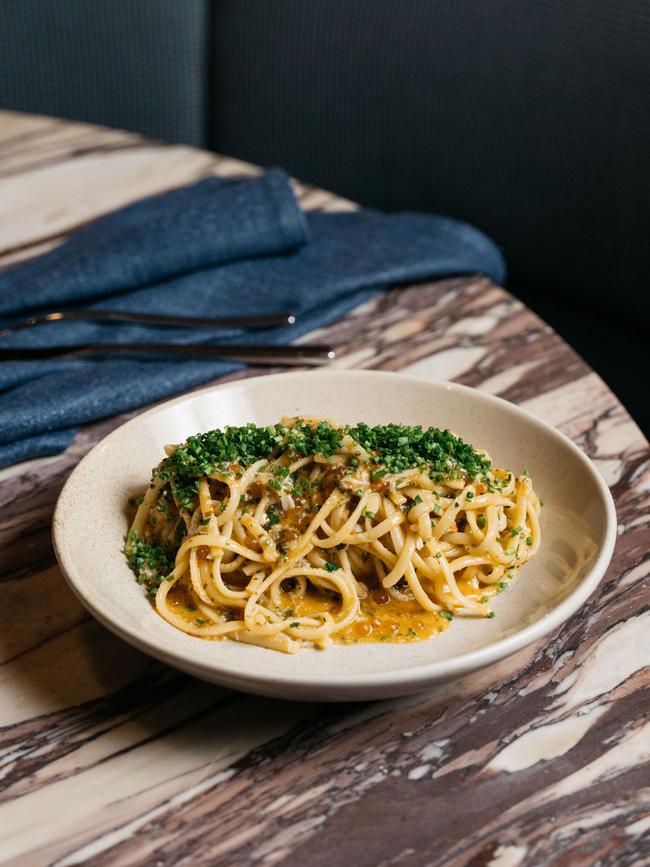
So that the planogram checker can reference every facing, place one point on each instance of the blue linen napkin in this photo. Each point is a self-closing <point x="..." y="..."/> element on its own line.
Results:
<point x="217" y="247"/>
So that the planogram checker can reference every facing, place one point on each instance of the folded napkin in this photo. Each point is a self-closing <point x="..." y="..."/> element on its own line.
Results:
<point x="215" y="248"/>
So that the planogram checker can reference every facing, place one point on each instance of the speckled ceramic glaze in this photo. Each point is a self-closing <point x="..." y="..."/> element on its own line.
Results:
<point x="578" y="527"/>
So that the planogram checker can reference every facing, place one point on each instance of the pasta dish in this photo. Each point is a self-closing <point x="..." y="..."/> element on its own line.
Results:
<point x="307" y="532"/>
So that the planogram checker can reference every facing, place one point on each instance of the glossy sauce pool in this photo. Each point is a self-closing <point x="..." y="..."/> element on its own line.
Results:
<point x="381" y="618"/>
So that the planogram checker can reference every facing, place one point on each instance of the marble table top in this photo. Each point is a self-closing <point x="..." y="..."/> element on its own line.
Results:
<point x="107" y="757"/>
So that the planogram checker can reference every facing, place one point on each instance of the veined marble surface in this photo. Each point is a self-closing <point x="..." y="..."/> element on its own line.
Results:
<point x="107" y="757"/>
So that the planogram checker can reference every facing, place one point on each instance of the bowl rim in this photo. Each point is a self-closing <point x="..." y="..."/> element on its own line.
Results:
<point x="411" y="678"/>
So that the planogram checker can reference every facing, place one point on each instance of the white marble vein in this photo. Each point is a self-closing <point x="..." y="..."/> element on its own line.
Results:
<point x="545" y="742"/>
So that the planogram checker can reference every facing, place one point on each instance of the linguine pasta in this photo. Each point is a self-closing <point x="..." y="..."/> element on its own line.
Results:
<point x="308" y="532"/>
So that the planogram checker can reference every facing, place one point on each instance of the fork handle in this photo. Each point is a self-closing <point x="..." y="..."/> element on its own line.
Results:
<point x="313" y="355"/>
<point x="155" y="319"/>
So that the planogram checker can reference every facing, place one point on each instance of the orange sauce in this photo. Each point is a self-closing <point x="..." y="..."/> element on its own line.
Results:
<point x="381" y="618"/>
<point x="180" y="602"/>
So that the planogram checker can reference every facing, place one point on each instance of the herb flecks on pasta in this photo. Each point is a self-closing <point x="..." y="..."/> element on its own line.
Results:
<point x="306" y="531"/>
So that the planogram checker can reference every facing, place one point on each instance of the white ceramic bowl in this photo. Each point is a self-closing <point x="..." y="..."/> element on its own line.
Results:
<point x="578" y="532"/>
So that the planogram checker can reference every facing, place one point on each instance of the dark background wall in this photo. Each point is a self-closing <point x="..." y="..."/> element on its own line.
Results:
<point x="131" y="64"/>
<point x="530" y="120"/>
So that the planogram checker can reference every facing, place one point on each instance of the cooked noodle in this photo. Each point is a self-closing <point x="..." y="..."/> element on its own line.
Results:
<point x="307" y="532"/>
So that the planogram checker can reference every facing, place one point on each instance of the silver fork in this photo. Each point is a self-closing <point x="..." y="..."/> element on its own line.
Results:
<point x="314" y="355"/>
<point x="153" y="319"/>
<point x="291" y="355"/>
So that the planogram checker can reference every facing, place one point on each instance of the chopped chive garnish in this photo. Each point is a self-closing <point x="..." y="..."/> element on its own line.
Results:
<point x="392" y="447"/>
